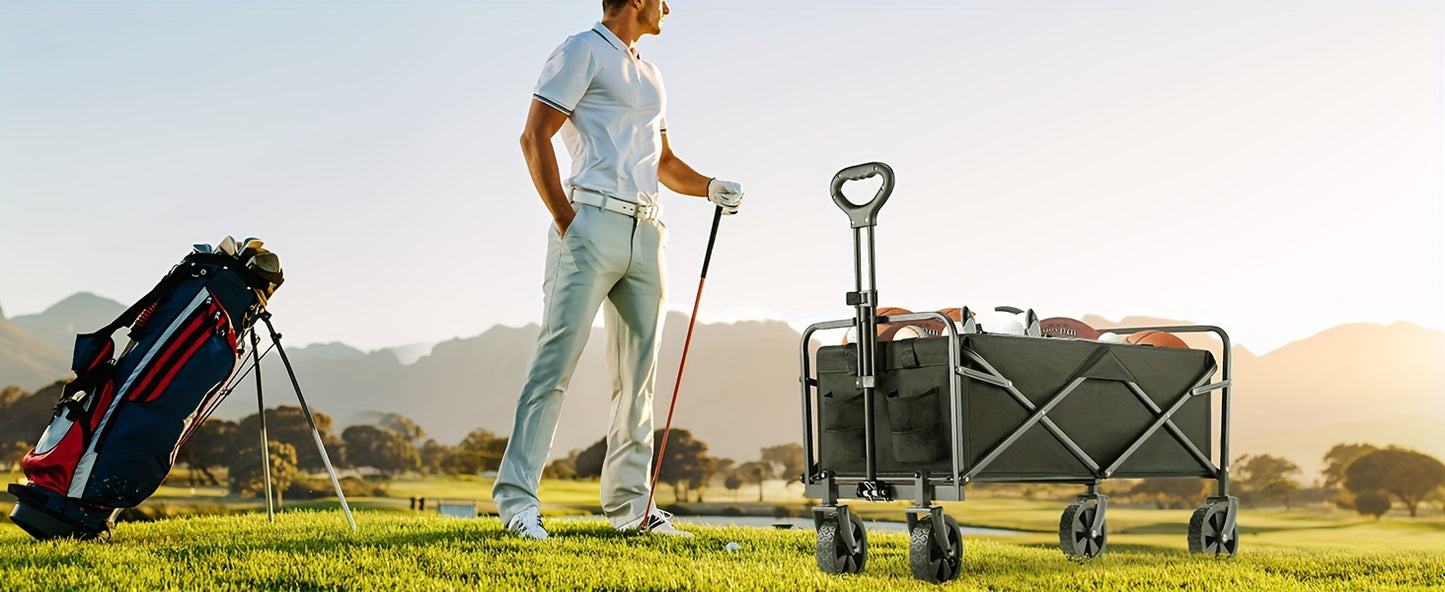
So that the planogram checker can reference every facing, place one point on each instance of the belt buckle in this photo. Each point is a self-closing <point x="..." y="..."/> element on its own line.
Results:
<point x="646" y="212"/>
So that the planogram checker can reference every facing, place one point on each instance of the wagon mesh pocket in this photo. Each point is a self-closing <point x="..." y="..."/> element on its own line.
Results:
<point x="915" y="428"/>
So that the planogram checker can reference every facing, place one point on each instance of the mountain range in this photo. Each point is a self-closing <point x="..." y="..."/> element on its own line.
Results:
<point x="1352" y="383"/>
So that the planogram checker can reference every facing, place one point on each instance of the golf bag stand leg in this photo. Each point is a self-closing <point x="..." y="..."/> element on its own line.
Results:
<point x="276" y="339"/>
<point x="265" y="441"/>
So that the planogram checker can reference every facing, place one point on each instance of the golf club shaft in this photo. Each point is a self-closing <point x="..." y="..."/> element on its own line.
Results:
<point x="686" y="342"/>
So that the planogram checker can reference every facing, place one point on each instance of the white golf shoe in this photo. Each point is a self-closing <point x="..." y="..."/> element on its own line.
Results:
<point x="528" y="525"/>
<point x="660" y="522"/>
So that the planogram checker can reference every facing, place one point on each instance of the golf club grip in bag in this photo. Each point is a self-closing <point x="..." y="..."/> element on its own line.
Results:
<point x="119" y="425"/>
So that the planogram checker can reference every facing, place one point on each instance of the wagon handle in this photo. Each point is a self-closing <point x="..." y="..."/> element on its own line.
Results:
<point x="866" y="214"/>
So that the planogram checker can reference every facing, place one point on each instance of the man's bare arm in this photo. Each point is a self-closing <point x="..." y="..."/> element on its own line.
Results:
<point x="677" y="175"/>
<point x="543" y="121"/>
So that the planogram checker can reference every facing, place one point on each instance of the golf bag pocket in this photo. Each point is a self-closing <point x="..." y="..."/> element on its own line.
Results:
<point x="914" y="427"/>
<point x="841" y="441"/>
<point x="51" y="464"/>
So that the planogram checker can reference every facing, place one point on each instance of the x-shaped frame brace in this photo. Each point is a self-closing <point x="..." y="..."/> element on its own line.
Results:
<point x="1039" y="416"/>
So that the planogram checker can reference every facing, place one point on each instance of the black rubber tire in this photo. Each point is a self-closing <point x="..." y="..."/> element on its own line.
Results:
<point x="930" y="561"/>
<point x="1076" y="539"/>
<point x="1206" y="531"/>
<point x="834" y="557"/>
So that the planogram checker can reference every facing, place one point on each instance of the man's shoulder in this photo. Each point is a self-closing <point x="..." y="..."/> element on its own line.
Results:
<point x="586" y="41"/>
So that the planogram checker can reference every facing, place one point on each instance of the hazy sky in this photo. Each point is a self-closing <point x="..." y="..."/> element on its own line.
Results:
<point x="1271" y="167"/>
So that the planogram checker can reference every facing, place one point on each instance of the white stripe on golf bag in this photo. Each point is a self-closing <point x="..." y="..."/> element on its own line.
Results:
<point x="87" y="461"/>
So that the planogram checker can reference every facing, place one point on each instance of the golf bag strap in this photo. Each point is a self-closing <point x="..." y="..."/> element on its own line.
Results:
<point x="131" y="314"/>
<point x="174" y="278"/>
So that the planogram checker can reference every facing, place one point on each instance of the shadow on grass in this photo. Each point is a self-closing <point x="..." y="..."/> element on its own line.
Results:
<point x="1118" y="548"/>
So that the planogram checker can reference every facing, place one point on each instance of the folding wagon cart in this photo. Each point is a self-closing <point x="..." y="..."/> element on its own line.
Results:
<point x="920" y="419"/>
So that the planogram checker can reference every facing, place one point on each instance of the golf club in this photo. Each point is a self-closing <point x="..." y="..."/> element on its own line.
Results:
<point x="667" y="428"/>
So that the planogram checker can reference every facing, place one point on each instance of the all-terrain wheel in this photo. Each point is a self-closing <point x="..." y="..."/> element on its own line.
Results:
<point x="834" y="554"/>
<point x="1207" y="533"/>
<point x="933" y="560"/>
<point x="1082" y="531"/>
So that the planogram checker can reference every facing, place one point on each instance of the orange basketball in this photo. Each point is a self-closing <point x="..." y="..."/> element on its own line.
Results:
<point x="885" y="331"/>
<point x="1156" y="339"/>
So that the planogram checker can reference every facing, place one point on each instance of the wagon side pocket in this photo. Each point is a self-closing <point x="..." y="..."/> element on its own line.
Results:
<point x="841" y="439"/>
<point x="916" y="428"/>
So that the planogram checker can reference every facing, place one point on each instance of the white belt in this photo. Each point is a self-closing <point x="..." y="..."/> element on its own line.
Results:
<point x="612" y="204"/>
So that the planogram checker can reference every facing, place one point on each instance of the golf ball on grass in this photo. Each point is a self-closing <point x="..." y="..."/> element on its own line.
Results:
<point x="733" y="547"/>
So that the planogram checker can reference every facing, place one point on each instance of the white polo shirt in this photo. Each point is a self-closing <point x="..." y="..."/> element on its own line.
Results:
<point x="614" y="104"/>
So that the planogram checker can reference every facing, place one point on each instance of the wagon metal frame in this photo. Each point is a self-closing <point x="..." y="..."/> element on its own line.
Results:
<point x="936" y="540"/>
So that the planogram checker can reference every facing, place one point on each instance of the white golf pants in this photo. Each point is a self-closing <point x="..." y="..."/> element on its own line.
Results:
<point x="611" y="257"/>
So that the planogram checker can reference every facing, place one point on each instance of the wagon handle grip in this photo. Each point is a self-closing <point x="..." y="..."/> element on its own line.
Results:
<point x="866" y="214"/>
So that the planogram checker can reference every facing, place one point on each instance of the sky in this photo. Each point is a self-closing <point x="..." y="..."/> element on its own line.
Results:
<point x="1271" y="167"/>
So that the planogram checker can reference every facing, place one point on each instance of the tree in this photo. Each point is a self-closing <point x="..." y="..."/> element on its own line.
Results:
<point x="733" y="483"/>
<point x="1169" y="493"/>
<point x="684" y="461"/>
<point x="1339" y="457"/>
<point x="403" y="425"/>
<point x="1372" y="503"/>
<point x="562" y="468"/>
<point x="1410" y="475"/>
<point x="212" y="445"/>
<point x="480" y="451"/>
<point x="11" y="394"/>
<point x="589" y="461"/>
<point x="380" y="448"/>
<point x="433" y="454"/>
<point x="755" y="472"/>
<point x="288" y="424"/>
<point x="1266" y="478"/>
<point x="787" y="461"/>
<point x="13" y="454"/>
<point x="247" y="476"/>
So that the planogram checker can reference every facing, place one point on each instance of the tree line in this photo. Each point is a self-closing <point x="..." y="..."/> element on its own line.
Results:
<point x="1363" y="477"/>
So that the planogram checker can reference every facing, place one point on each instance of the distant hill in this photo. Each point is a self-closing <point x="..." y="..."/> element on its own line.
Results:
<point x="26" y="360"/>
<point x="739" y="392"/>
<point x="80" y="313"/>
<point x="1353" y="383"/>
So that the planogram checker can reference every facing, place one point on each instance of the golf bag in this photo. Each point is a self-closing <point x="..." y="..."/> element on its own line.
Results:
<point x="119" y="424"/>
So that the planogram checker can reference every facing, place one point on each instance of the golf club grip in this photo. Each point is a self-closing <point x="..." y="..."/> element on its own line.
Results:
<point x="711" y="239"/>
<point x="863" y="214"/>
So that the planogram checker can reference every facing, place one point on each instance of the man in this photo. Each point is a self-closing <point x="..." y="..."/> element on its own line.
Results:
<point x="605" y="245"/>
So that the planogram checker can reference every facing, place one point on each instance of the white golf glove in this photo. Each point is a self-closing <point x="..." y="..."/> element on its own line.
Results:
<point x="726" y="194"/>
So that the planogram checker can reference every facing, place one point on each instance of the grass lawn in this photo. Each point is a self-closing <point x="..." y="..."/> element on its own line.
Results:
<point x="1303" y="549"/>
<point x="309" y="550"/>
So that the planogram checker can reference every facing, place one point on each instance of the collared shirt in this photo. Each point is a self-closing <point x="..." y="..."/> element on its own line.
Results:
<point x="614" y="103"/>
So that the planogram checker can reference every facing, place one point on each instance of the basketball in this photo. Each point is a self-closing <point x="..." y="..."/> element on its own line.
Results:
<point x="885" y="331"/>
<point x="1068" y="328"/>
<point x="1156" y="339"/>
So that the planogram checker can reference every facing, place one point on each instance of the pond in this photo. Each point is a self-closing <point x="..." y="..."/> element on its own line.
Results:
<point x="805" y="523"/>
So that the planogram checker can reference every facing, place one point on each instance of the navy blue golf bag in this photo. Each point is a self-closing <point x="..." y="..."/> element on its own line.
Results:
<point x="119" y="424"/>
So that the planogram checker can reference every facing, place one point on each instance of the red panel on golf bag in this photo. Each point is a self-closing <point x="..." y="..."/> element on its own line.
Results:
<point x="51" y="464"/>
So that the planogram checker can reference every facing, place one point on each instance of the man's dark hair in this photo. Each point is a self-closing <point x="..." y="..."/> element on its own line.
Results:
<point x="611" y="6"/>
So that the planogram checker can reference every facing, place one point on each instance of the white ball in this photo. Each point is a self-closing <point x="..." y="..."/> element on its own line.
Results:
<point x="912" y="332"/>
<point x="1107" y="337"/>
<point x="733" y="546"/>
<point x="999" y="322"/>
